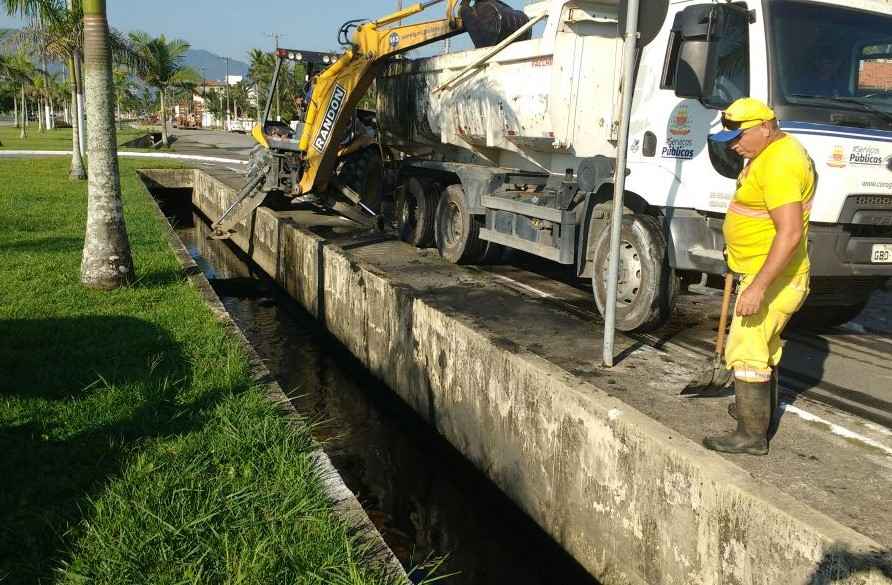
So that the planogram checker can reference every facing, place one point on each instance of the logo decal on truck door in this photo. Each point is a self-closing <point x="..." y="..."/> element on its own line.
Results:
<point x="681" y="122"/>
<point x="331" y="116"/>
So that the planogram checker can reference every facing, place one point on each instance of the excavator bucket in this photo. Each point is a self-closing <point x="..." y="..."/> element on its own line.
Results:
<point x="490" y="22"/>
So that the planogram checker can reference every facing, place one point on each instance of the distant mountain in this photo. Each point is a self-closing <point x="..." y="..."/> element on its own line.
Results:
<point x="213" y="66"/>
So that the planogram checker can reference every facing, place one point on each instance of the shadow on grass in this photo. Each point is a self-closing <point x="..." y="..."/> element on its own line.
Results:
<point x="164" y="278"/>
<point x="45" y="245"/>
<point x="76" y="397"/>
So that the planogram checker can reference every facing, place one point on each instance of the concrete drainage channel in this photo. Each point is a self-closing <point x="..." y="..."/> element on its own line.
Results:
<point x="423" y="497"/>
<point x="631" y="499"/>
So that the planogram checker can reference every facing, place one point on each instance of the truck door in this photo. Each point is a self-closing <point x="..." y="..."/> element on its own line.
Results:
<point x="668" y="143"/>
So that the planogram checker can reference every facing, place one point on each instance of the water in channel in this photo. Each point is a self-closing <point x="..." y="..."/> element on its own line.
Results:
<point x="424" y="497"/>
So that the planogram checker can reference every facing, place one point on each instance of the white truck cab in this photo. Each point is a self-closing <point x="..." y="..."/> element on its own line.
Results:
<point x="826" y="69"/>
<point x="519" y="150"/>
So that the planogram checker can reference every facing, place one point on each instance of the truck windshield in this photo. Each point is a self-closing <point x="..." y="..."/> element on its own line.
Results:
<point x="833" y="56"/>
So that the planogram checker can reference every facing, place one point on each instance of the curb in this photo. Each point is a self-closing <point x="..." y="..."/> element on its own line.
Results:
<point x="125" y="154"/>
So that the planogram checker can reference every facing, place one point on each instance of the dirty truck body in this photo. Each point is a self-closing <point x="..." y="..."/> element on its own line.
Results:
<point x="520" y="151"/>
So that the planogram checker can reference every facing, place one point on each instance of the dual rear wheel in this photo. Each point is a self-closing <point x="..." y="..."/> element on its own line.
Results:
<point x="433" y="214"/>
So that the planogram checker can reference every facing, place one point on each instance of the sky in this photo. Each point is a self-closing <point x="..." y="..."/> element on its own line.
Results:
<point x="230" y="28"/>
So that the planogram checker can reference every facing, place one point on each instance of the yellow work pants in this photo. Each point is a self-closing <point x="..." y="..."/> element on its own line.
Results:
<point x="754" y="344"/>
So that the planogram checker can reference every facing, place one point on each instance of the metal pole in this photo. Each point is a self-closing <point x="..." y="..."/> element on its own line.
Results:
<point x="278" y="101"/>
<point x="629" y="57"/>
<point x="226" y="118"/>
<point x="269" y="99"/>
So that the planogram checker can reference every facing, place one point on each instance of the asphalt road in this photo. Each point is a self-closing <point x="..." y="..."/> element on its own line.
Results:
<point x="212" y="143"/>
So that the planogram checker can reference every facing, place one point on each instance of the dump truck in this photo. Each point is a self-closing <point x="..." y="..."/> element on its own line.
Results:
<point x="515" y="146"/>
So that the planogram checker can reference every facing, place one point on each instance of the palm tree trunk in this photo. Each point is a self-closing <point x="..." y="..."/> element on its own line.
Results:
<point x="107" y="262"/>
<point x="40" y="114"/>
<point x="81" y="109"/>
<point x="164" y="139"/>
<point x="23" y="133"/>
<point x="15" y="105"/>
<point x="76" y="172"/>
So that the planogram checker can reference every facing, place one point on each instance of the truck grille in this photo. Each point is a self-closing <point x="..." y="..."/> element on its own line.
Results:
<point x="869" y="231"/>
<point x="873" y="201"/>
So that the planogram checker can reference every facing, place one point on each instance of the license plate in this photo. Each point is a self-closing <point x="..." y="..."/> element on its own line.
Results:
<point x="882" y="254"/>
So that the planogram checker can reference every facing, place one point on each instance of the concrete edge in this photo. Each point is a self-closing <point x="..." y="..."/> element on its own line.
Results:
<point x="345" y="502"/>
<point x="125" y="154"/>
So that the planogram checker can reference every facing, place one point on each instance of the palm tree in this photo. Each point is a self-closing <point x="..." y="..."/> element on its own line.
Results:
<point x="58" y="33"/>
<point x="162" y="68"/>
<point x="107" y="262"/>
<point x="21" y="72"/>
<point x="261" y="73"/>
<point x="125" y="89"/>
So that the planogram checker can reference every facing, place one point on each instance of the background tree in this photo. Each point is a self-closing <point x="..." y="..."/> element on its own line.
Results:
<point x="107" y="261"/>
<point x="21" y="72"/>
<point x="59" y="35"/>
<point x="125" y="89"/>
<point x="162" y="68"/>
<point x="260" y="74"/>
<point x="239" y="96"/>
<point x="215" y="103"/>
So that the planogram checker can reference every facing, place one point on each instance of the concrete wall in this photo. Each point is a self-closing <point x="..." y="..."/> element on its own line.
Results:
<point x="631" y="500"/>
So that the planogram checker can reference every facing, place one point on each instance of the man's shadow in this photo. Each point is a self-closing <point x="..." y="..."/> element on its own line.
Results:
<point x="840" y="565"/>
<point x="800" y="371"/>
<point x="77" y="395"/>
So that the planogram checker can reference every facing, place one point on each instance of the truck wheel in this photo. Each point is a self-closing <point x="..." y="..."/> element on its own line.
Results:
<point x="647" y="285"/>
<point x="416" y="211"/>
<point x="364" y="173"/>
<point x="457" y="231"/>
<point x="816" y="317"/>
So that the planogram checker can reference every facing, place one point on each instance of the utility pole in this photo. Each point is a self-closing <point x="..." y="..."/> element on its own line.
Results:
<point x="276" y="36"/>
<point x="226" y="123"/>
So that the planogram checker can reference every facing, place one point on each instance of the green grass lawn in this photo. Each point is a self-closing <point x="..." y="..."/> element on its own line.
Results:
<point x="135" y="447"/>
<point x="56" y="139"/>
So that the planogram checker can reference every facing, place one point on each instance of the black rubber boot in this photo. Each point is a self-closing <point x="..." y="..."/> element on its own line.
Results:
<point x="732" y="408"/>
<point x="753" y="420"/>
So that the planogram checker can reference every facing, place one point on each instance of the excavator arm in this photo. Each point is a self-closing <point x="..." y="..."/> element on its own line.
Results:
<point x="337" y="91"/>
<point x="339" y="88"/>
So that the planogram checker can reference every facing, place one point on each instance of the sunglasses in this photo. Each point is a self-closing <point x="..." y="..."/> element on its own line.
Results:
<point x="735" y="125"/>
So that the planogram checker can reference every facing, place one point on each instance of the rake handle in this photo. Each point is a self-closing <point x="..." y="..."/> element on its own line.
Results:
<point x="723" y="320"/>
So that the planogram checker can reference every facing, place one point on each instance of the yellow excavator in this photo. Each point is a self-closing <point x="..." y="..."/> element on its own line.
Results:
<point x="302" y="162"/>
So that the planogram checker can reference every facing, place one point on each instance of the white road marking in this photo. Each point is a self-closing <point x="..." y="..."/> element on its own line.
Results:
<point x="836" y="429"/>
<point x="854" y="327"/>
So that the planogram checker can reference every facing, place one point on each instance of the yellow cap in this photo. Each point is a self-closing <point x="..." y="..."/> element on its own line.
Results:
<point x="742" y="115"/>
<point x="748" y="112"/>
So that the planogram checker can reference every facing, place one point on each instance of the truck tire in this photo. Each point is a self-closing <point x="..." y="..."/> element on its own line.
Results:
<point x="416" y="210"/>
<point x="816" y="317"/>
<point x="648" y="286"/>
<point x="457" y="232"/>
<point x="364" y="173"/>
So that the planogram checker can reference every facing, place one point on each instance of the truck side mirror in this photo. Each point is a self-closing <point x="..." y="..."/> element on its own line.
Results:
<point x="695" y="36"/>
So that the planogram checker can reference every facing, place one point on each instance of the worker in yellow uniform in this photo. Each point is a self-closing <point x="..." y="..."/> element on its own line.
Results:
<point x="766" y="234"/>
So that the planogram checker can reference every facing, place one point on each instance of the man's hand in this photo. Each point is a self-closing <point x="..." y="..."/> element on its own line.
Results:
<point x="750" y="300"/>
